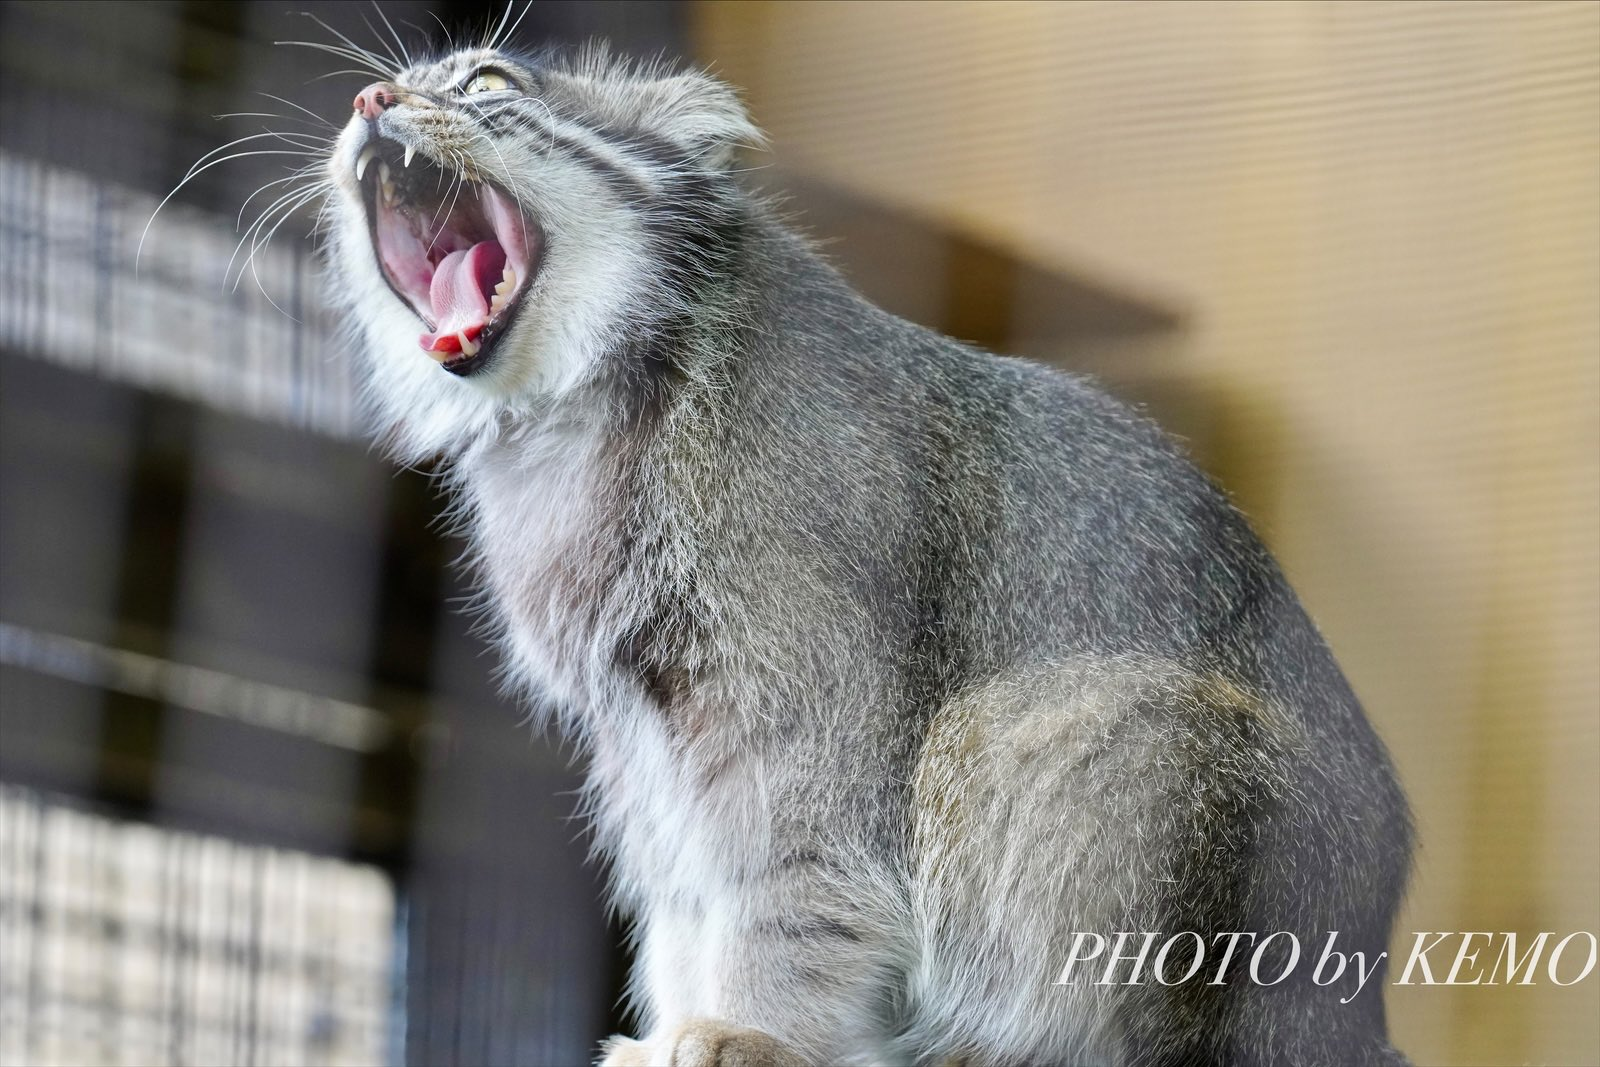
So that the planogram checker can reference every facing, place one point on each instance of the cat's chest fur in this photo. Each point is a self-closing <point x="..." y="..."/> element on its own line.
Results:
<point x="569" y="547"/>
<point x="547" y="545"/>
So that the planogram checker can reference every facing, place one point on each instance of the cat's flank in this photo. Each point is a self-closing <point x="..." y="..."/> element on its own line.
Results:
<point x="896" y="664"/>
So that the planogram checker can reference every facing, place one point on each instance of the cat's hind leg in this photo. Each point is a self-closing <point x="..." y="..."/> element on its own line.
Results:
<point x="1136" y="801"/>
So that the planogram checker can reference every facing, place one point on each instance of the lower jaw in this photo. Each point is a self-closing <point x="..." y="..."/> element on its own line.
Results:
<point x="488" y="346"/>
<point x="467" y="366"/>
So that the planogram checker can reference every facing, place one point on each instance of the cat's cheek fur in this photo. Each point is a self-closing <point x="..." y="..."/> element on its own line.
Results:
<point x="588" y="285"/>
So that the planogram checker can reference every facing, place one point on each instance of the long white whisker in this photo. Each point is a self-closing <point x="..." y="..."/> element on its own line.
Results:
<point x="268" y="295"/>
<point x="322" y="211"/>
<point x="297" y="107"/>
<point x="191" y="176"/>
<point x="371" y="56"/>
<point x="405" y="52"/>
<point x="499" y="38"/>
<point x="223" y="148"/>
<point x="245" y="238"/>
<point x="455" y="194"/>
<point x="449" y="37"/>
<point x="344" y="53"/>
<point x="285" y="213"/>
<point x="297" y="174"/>
<point x="283" y="207"/>
<point x="336" y="73"/>
<point x="295" y="195"/>
<point x="511" y="179"/>
<point x="272" y="115"/>
<point x="318" y="146"/>
<point x="493" y="33"/>
<point x="388" y="52"/>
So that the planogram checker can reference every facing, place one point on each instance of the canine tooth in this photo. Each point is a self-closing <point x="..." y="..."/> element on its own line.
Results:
<point x="509" y="277"/>
<point x="383" y="171"/>
<point x="468" y="346"/>
<point x="409" y="153"/>
<point x="366" y="157"/>
<point x="388" y="190"/>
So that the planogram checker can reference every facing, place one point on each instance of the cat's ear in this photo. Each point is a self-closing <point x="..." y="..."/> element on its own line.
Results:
<point x="704" y="115"/>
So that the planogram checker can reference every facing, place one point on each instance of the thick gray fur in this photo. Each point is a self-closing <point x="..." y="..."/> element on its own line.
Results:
<point x="895" y="662"/>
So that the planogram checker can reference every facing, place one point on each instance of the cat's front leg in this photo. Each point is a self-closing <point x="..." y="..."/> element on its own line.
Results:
<point x="702" y="1043"/>
<point x="786" y="970"/>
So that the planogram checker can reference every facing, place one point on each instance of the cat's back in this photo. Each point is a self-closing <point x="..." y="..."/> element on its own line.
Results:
<point x="1063" y="516"/>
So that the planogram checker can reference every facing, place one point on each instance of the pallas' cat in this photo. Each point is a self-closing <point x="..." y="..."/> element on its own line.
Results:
<point x="897" y="665"/>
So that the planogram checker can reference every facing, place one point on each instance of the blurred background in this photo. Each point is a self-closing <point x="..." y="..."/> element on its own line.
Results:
<point x="260" y="800"/>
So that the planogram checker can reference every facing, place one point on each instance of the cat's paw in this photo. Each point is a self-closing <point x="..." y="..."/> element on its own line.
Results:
<point x="701" y="1043"/>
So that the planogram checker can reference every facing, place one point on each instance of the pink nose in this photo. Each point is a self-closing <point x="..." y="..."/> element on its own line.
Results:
<point x="375" y="99"/>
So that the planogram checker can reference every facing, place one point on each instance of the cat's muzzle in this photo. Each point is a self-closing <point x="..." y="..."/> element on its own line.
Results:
<point x="458" y="249"/>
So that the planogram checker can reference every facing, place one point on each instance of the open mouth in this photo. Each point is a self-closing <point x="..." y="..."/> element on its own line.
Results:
<point x="460" y="253"/>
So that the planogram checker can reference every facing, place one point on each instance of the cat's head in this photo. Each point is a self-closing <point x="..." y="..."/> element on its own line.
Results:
<point x="505" y="229"/>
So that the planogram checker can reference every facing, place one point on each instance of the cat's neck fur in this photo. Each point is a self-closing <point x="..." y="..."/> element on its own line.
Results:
<point x="585" y="514"/>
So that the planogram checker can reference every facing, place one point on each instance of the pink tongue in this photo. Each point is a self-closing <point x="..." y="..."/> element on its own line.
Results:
<point x="459" y="295"/>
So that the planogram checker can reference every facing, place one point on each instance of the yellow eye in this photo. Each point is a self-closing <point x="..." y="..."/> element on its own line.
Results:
<point x="488" y="82"/>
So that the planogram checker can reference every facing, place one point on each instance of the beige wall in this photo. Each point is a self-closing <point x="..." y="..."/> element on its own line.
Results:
<point x="1379" y="225"/>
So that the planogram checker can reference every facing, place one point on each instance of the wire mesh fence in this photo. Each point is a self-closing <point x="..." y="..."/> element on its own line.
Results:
<point x="88" y="281"/>
<point x="126" y="943"/>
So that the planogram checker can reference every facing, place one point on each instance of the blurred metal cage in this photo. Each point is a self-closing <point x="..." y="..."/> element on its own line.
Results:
<point x="248" y="731"/>
<point x="261" y="800"/>
<point x="121" y="942"/>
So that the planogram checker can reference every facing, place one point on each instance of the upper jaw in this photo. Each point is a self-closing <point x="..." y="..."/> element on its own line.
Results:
<point x="459" y="250"/>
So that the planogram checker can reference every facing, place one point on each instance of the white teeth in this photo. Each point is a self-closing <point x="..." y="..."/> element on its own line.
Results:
<point x="383" y="171"/>
<point x="502" y="290"/>
<point x="388" y="190"/>
<point x="366" y="157"/>
<point x="468" y="346"/>
<point x="409" y="153"/>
